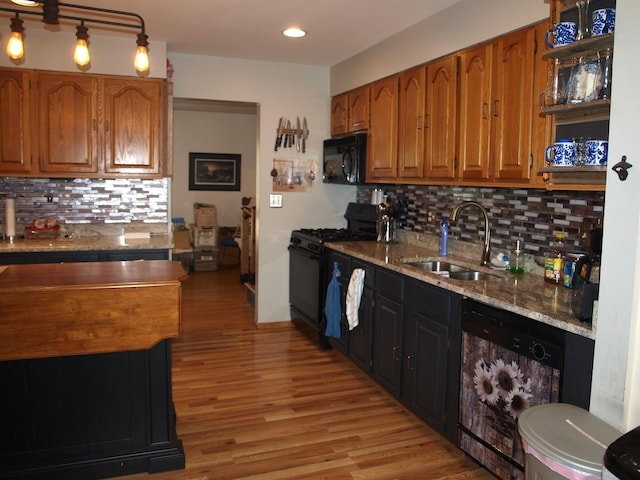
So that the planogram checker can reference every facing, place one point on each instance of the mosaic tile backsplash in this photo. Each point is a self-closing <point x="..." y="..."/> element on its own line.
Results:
<point x="81" y="201"/>
<point x="532" y="216"/>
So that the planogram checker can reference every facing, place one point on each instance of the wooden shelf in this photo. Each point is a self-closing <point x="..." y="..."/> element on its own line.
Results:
<point x="592" y="44"/>
<point x="575" y="178"/>
<point x="603" y="104"/>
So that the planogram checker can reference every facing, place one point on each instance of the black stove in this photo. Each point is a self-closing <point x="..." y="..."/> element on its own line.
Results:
<point x="361" y="225"/>
<point x="308" y="273"/>
<point x="313" y="239"/>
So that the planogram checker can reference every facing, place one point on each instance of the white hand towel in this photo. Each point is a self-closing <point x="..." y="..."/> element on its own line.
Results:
<point x="354" y="293"/>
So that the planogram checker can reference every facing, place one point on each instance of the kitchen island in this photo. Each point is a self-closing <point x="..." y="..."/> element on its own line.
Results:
<point x="85" y="363"/>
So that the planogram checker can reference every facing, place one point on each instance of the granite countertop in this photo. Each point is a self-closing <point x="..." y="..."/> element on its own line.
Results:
<point x="526" y="294"/>
<point x="93" y="242"/>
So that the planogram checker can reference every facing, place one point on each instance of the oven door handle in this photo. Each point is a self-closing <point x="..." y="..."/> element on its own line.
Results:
<point x="305" y="253"/>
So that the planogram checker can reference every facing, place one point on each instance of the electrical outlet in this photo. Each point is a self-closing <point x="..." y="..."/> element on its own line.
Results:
<point x="431" y="216"/>
<point x="275" y="200"/>
<point x="583" y="234"/>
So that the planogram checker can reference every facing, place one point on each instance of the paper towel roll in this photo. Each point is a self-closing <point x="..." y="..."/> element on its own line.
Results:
<point x="10" y="217"/>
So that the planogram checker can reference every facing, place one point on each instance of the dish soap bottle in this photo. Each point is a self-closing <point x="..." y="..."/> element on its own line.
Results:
<point x="444" y="237"/>
<point x="516" y="261"/>
<point x="553" y="260"/>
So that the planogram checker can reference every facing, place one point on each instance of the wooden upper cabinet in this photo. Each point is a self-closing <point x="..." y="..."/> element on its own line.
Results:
<point x="410" y="123"/>
<point x="441" y="119"/>
<point x="340" y="114"/>
<point x="81" y="125"/>
<point x="496" y="109"/>
<point x="132" y="126"/>
<point x="475" y="123"/>
<point x="512" y="106"/>
<point x="67" y="123"/>
<point x="350" y="111"/>
<point x="359" y="109"/>
<point x="383" y="130"/>
<point x="15" y="122"/>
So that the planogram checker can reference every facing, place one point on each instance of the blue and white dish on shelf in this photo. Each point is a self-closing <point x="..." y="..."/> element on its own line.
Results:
<point x="585" y="82"/>
<point x="597" y="152"/>
<point x="603" y="21"/>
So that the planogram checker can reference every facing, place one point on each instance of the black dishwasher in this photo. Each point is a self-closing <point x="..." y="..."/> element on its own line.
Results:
<point x="509" y="363"/>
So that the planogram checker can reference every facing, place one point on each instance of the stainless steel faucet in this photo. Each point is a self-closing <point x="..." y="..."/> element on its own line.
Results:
<point x="455" y="213"/>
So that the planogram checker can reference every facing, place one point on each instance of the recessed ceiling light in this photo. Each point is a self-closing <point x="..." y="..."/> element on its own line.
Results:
<point x="294" y="32"/>
<point x="26" y="3"/>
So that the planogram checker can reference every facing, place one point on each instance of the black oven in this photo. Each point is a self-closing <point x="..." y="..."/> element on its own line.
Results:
<point x="307" y="264"/>
<point x="344" y="159"/>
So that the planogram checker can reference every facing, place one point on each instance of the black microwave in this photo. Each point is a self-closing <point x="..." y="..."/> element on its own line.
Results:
<point x="344" y="159"/>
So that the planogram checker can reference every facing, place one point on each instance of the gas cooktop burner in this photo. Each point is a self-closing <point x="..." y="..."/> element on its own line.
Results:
<point x="333" y="234"/>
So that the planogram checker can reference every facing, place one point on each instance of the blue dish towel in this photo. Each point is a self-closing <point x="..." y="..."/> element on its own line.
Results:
<point x="332" y="307"/>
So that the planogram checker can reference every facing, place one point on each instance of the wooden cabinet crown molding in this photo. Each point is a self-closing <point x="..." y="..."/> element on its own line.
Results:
<point x="95" y="126"/>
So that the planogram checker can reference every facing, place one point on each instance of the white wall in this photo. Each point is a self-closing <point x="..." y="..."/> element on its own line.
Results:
<point x="47" y="50"/>
<point x="464" y="24"/>
<point x="279" y="89"/>
<point x="616" y="391"/>
<point x="212" y="132"/>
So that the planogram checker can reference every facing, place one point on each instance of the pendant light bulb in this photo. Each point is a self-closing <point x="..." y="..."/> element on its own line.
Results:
<point x="81" y="53"/>
<point x="141" y="61"/>
<point x="15" y="46"/>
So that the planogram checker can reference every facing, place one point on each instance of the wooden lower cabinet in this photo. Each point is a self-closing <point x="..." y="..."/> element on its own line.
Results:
<point x="89" y="416"/>
<point x="408" y="340"/>
<point x="361" y="337"/>
<point x="344" y="265"/>
<point x="431" y="356"/>
<point x="387" y="330"/>
<point x="83" y="256"/>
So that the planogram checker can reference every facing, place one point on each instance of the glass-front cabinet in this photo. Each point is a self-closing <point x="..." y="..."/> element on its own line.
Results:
<point x="579" y="51"/>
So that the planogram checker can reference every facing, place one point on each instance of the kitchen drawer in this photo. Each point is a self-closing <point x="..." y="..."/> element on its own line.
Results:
<point x="390" y="285"/>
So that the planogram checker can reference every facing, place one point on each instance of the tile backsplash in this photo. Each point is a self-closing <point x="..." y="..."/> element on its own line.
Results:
<point x="80" y="201"/>
<point x="533" y="216"/>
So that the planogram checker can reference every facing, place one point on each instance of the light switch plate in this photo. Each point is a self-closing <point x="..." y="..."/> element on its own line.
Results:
<point x="275" y="200"/>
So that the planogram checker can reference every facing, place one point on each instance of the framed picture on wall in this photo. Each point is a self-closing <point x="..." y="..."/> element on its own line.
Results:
<point x="214" y="171"/>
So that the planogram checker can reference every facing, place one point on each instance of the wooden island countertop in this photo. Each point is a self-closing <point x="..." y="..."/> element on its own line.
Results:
<point x="51" y="310"/>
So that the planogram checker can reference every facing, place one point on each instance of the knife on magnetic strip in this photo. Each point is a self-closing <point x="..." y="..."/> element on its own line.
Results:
<point x="279" y="134"/>
<point x="305" y="134"/>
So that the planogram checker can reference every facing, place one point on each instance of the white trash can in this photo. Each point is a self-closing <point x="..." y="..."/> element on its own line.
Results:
<point x="562" y="441"/>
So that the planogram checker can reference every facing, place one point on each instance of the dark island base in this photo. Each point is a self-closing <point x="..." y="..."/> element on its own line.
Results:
<point x="88" y="416"/>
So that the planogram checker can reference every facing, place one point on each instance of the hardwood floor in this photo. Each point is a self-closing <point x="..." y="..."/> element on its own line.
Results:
<point x="267" y="403"/>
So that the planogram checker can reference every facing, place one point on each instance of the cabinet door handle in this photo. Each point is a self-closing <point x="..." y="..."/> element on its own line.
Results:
<point x="396" y="349"/>
<point x="95" y="125"/>
<point x="426" y="120"/>
<point x="483" y="112"/>
<point x="495" y="108"/>
<point x="410" y="362"/>
<point x="106" y="125"/>
<point x="418" y="122"/>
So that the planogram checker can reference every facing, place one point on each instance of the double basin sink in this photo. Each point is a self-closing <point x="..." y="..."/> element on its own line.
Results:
<point x="451" y="270"/>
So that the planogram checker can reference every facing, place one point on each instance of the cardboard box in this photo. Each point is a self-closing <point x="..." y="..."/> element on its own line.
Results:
<point x="205" y="259"/>
<point x="181" y="240"/>
<point x="205" y="215"/>
<point x="204" y="236"/>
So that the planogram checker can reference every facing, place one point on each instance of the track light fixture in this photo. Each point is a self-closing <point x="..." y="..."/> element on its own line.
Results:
<point x="53" y="11"/>
<point x="81" y="53"/>
<point x="15" y="47"/>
